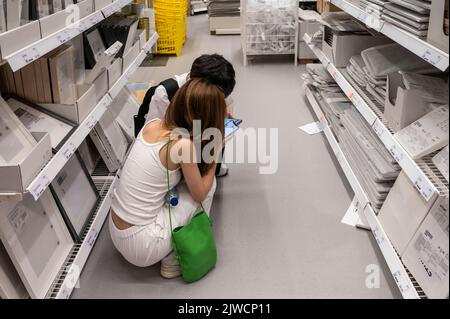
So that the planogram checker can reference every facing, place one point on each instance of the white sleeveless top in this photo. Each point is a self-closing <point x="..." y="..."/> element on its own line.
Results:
<point x="139" y="195"/>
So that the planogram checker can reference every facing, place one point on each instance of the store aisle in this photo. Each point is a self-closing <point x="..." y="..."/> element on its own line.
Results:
<point x="278" y="236"/>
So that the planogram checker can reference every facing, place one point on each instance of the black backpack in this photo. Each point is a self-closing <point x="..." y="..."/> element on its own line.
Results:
<point x="171" y="86"/>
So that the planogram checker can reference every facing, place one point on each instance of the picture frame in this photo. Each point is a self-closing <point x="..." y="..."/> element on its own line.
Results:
<point x="15" y="140"/>
<point x="37" y="119"/>
<point x="36" y="239"/>
<point x="94" y="47"/>
<point x="76" y="196"/>
<point x="11" y="286"/>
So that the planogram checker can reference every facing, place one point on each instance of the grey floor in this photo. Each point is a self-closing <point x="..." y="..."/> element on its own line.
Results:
<point x="278" y="236"/>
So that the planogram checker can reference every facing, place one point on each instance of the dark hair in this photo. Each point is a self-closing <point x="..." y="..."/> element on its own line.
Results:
<point x="216" y="70"/>
<point x="197" y="100"/>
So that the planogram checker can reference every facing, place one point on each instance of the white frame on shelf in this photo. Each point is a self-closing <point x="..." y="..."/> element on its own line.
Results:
<point x="28" y="54"/>
<point x="421" y="48"/>
<point x="398" y="271"/>
<point x="428" y="185"/>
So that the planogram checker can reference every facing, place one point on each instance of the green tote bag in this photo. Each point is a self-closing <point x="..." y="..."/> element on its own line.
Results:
<point x="193" y="244"/>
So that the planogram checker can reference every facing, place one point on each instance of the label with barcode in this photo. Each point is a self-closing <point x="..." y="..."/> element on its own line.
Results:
<point x="40" y="186"/>
<point x="92" y="237"/>
<point x="378" y="235"/>
<point x="423" y="187"/>
<point x="69" y="150"/>
<point x="378" y="128"/>
<point x="431" y="57"/>
<point x="31" y="55"/>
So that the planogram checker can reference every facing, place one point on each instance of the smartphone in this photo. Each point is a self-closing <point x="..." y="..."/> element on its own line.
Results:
<point x="231" y="126"/>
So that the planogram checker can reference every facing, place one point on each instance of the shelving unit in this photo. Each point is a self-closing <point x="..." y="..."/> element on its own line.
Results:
<point x="420" y="172"/>
<point x="248" y="38"/>
<point x="34" y="51"/>
<point x="423" y="49"/>
<point x="57" y="162"/>
<point x="405" y="282"/>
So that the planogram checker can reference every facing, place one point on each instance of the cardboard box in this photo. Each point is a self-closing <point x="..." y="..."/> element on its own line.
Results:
<point x="16" y="178"/>
<point x="308" y="27"/>
<point x="436" y="35"/>
<point x="129" y="56"/>
<point x="403" y="212"/>
<point x="18" y="83"/>
<point x="114" y="72"/>
<point x="231" y="25"/>
<point x="340" y="46"/>
<point x="19" y="38"/>
<point x="426" y="256"/>
<point x="101" y="85"/>
<point x="78" y="111"/>
<point x="402" y="106"/>
<point x="29" y="80"/>
<point x="100" y="4"/>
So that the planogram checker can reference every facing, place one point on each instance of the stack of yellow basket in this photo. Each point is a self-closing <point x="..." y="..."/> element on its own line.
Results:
<point x="171" y="19"/>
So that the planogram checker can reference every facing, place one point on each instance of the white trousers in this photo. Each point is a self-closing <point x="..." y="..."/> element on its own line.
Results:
<point x="146" y="245"/>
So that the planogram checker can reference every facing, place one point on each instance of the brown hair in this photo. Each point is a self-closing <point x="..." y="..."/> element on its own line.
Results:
<point x="197" y="100"/>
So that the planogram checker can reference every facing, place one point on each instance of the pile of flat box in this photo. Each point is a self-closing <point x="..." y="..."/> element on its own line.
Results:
<point x="410" y="15"/>
<point x="374" y="7"/>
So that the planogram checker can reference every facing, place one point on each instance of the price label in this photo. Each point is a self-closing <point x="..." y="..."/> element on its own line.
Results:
<point x="396" y="153"/>
<point x="69" y="150"/>
<point x="423" y="187"/>
<point x="378" y="128"/>
<point x="378" y="235"/>
<point x="91" y="122"/>
<point x="106" y="101"/>
<point x="431" y="57"/>
<point x="31" y="55"/>
<point x="373" y="22"/>
<point x="92" y="237"/>
<point x="402" y="286"/>
<point x="40" y="187"/>
<point x="65" y="293"/>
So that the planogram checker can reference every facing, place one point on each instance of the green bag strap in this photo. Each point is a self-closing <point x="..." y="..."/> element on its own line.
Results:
<point x="168" y="185"/>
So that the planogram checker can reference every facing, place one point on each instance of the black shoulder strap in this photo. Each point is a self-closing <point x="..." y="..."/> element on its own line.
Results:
<point x="171" y="86"/>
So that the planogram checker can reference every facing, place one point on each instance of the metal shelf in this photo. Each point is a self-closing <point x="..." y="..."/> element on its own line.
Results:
<point x="420" y="172"/>
<point x="403" y="279"/>
<point x="34" y="51"/>
<point x="57" y="162"/>
<point x="69" y="274"/>
<point x="421" y="48"/>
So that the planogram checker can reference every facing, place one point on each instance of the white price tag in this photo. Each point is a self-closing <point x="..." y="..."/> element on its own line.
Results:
<point x="396" y="153"/>
<point x="69" y="150"/>
<point x="378" y="235"/>
<point x="431" y="57"/>
<point x="63" y="37"/>
<point x="373" y="22"/>
<point x="91" y="122"/>
<point x="40" y="187"/>
<point x="92" y="237"/>
<point x="423" y="187"/>
<point x="398" y="277"/>
<point x="64" y="294"/>
<point x="31" y="55"/>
